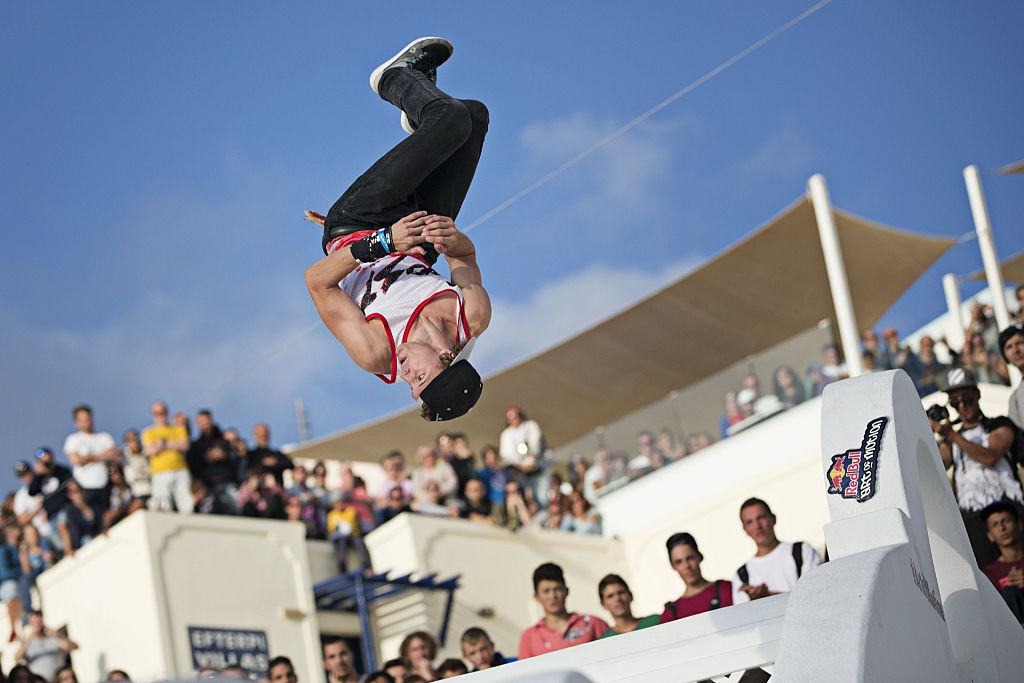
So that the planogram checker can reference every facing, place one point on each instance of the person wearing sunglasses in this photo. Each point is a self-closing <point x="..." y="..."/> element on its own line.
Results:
<point x="978" y="453"/>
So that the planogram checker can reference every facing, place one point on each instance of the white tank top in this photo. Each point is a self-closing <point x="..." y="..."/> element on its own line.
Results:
<point x="394" y="289"/>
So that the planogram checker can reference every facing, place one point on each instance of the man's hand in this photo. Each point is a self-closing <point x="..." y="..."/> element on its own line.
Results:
<point x="1016" y="577"/>
<point x="442" y="233"/>
<point x="943" y="429"/>
<point x="756" y="592"/>
<point x="407" y="233"/>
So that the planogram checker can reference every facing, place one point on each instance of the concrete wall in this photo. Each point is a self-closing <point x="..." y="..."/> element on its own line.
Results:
<point x="129" y="598"/>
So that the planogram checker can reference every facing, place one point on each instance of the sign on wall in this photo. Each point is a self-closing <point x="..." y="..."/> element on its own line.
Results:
<point x="222" y="647"/>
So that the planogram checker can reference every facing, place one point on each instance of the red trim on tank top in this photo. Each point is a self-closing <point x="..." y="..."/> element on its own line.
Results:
<point x="391" y="342"/>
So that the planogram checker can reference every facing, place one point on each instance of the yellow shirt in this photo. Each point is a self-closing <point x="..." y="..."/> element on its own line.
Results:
<point x="169" y="460"/>
<point x="335" y="517"/>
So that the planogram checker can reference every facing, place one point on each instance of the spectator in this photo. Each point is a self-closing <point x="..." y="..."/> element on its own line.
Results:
<point x="35" y="555"/>
<point x="207" y="502"/>
<point x="44" y="651"/>
<point x="136" y="467"/>
<point x="379" y="677"/>
<point x="205" y="672"/>
<point x="339" y="661"/>
<point x="119" y="497"/>
<point x="788" y="387"/>
<point x="20" y="673"/>
<point x="433" y="503"/>
<point x="981" y="472"/>
<point x="396" y="669"/>
<point x="833" y="367"/>
<point x="494" y="474"/>
<point x="642" y="461"/>
<point x="869" y="363"/>
<point x="478" y="507"/>
<point x="549" y="519"/>
<point x="666" y="443"/>
<point x="776" y="565"/>
<point x="815" y="380"/>
<point x="869" y="347"/>
<point x="10" y="576"/>
<point x="900" y="357"/>
<point x="700" y="440"/>
<point x="522" y="447"/>
<point x="1019" y="295"/>
<point x="90" y="453"/>
<point x="319" y="489"/>
<point x="117" y="675"/>
<point x="239" y="452"/>
<point x="269" y="460"/>
<point x="983" y="324"/>
<point x="463" y="461"/>
<point x="28" y="509"/>
<point x="450" y="668"/>
<point x="417" y="651"/>
<point x="1011" y="345"/>
<point x="344" y="532"/>
<point x="581" y="519"/>
<point x="932" y="370"/>
<point x="234" y="671"/>
<point x="616" y="597"/>
<point x="432" y="469"/>
<point x="478" y="650"/>
<point x="558" y="628"/>
<point x="395" y="476"/>
<point x="306" y="515"/>
<point x="598" y="475"/>
<point x="280" y="670"/>
<point x="81" y="521"/>
<point x="732" y="415"/>
<point x="983" y="362"/>
<point x="1006" y="572"/>
<point x="209" y="433"/>
<point x="217" y="472"/>
<point x="260" y="496"/>
<point x="166" y="445"/>
<point x="517" y="512"/>
<point x="700" y="594"/>
<point x="50" y="480"/>
<point x="396" y="504"/>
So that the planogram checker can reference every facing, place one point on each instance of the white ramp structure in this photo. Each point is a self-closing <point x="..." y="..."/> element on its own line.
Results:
<point x="901" y="599"/>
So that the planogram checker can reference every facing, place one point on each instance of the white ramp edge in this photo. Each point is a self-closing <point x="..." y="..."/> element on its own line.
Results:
<point x="901" y="599"/>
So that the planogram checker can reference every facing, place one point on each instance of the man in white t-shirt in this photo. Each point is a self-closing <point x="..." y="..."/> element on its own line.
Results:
<point x="776" y="565"/>
<point x="28" y="509"/>
<point x="90" y="454"/>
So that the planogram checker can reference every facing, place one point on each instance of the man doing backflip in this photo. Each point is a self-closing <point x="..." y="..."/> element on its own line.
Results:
<point x="376" y="289"/>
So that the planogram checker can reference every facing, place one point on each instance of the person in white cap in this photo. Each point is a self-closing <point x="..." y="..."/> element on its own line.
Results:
<point x="376" y="289"/>
<point x="977" y="452"/>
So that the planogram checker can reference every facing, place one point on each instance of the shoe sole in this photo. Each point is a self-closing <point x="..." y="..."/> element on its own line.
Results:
<point x="408" y="52"/>
<point x="407" y="124"/>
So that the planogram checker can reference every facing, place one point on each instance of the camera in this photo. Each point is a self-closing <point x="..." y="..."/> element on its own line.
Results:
<point x="937" y="413"/>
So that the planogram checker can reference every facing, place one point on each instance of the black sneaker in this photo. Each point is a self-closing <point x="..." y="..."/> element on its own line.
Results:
<point x="422" y="54"/>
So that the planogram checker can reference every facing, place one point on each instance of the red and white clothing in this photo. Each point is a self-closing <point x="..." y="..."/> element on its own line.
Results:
<point x="394" y="289"/>
<point x="541" y="638"/>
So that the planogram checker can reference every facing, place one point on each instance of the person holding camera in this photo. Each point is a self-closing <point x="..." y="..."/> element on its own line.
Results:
<point x="978" y="454"/>
<point x="43" y="649"/>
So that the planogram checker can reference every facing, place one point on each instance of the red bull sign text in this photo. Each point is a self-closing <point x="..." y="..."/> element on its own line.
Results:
<point x="854" y="474"/>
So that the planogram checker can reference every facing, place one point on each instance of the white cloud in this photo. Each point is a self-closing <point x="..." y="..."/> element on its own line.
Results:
<point x="787" y="153"/>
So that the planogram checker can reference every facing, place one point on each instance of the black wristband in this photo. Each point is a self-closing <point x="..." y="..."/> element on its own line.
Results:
<point x="368" y="249"/>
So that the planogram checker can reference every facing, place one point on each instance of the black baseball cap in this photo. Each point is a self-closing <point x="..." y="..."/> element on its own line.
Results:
<point x="454" y="391"/>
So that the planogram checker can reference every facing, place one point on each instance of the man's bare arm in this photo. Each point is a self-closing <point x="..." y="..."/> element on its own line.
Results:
<point x="460" y="252"/>
<point x="340" y="314"/>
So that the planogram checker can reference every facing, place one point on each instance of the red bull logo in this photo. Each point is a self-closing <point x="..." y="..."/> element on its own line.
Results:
<point x="854" y="474"/>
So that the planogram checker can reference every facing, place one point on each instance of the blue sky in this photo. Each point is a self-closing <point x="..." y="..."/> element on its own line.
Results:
<point x="157" y="158"/>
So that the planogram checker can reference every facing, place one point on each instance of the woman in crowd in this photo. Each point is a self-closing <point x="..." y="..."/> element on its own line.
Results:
<point x="418" y="650"/>
<point x="82" y="522"/>
<point x="580" y="518"/>
<point x="700" y="595"/>
<point x="295" y="511"/>
<point x="788" y="387"/>
<point x="732" y="414"/>
<point x="119" y="497"/>
<point x="36" y="554"/>
<point x="987" y="365"/>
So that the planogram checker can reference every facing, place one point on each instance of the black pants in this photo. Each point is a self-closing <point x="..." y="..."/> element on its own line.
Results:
<point x="430" y="170"/>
